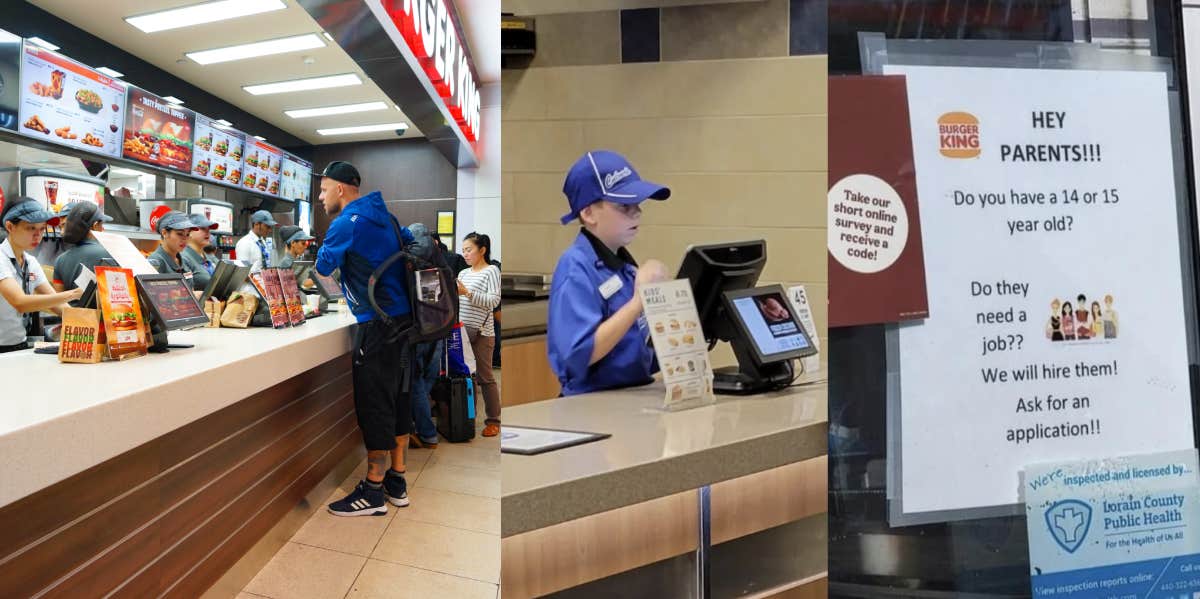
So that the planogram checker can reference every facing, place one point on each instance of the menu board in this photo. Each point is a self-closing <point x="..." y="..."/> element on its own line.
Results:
<point x="261" y="167"/>
<point x="222" y="215"/>
<point x="296" y="183"/>
<point x="217" y="153"/>
<point x="270" y="289"/>
<point x="66" y="103"/>
<point x="57" y="194"/>
<point x="156" y="132"/>
<point x="679" y="343"/>
<point x="10" y="79"/>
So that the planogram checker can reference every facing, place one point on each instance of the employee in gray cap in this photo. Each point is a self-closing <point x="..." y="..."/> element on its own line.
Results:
<point x="194" y="258"/>
<point x="24" y="289"/>
<point x="82" y="218"/>
<point x="257" y="247"/>
<point x="295" y="243"/>
<point x="173" y="229"/>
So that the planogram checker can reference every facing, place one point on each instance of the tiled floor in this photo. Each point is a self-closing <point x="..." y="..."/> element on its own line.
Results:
<point x="446" y="544"/>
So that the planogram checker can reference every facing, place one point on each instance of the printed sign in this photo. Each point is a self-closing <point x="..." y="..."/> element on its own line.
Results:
<point x="670" y="312"/>
<point x="66" y="103"/>
<point x="1056" y="328"/>
<point x="1118" y="527"/>
<point x="799" y="297"/>
<point x="876" y="266"/>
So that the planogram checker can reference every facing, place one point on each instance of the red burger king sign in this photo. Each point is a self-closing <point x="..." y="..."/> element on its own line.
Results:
<point x="958" y="135"/>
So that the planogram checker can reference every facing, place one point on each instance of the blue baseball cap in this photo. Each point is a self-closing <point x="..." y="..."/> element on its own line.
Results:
<point x="176" y="221"/>
<point x="29" y="210"/>
<point x="604" y="175"/>
<point x="262" y="216"/>
<point x="200" y="222"/>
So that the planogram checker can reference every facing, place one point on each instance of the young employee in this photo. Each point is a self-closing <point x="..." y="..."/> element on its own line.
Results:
<point x="295" y="243"/>
<point x="257" y="247"/>
<point x="173" y="229"/>
<point x="596" y="333"/>
<point x="359" y="239"/>
<point x="82" y="219"/>
<point x="24" y="289"/>
<point x="194" y="257"/>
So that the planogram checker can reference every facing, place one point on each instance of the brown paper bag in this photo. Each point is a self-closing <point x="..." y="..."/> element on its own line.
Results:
<point x="214" y="308"/>
<point x="239" y="310"/>
<point x="81" y="337"/>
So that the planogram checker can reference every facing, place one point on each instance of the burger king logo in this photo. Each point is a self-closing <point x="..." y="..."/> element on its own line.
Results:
<point x="958" y="135"/>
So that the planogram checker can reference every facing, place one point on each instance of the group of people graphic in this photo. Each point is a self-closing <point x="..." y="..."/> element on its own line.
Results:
<point x="1082" y="322"/>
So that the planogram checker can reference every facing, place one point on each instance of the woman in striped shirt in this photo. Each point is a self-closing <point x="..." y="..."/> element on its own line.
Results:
<point x="479" y="294"/>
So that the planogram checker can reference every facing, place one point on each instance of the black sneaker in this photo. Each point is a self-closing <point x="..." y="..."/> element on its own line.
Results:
<point x="395" y="488"/>
<point x="363" y="501"/>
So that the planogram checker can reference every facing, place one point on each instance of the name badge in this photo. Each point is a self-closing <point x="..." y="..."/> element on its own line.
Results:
<point x="611" y="286"/>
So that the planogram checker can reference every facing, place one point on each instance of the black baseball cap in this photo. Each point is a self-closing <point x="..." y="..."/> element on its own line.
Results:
<point x="343" y="172"/>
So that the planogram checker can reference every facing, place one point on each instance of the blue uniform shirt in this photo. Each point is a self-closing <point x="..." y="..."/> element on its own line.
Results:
<point x="586" y="273"/>
<point x="357" y="242"/>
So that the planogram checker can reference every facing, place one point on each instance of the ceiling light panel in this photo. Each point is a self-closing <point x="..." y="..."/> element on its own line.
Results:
<point x="328" y="110"/>
<point x="199" y="14"/>
<point x="363" y="129"/>
<point x="283" y="45"/>
<point x="297" y="85"/>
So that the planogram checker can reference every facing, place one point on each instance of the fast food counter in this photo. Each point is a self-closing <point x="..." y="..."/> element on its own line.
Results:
<point x="162" y="471"/>
<point x="752" y="468"/>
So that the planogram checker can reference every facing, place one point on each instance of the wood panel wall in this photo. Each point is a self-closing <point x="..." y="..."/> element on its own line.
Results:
<point x="169" y="517"/>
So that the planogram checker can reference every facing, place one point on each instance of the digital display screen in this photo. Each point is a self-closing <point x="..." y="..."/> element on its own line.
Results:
<point x="261" y="167"/>
<point x="217" y="153"/>
<point x="173" y="301"/>
<point x="296" y="183"/>
<point x="771" y="324"/>
<point x="157" y="132"/>
<point x="66" y="103"/>
<point x="329" y="286"/>
<point x="10" y="80"/>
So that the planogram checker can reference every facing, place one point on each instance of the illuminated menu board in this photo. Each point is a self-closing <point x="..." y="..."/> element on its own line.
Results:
<point x="218" y="152"/>
<point x="66" y="103"/>
<point x="10" y="80"/>
<point x="158" y="133"/>
<point x="297" y="178"/>
<point x="261" y="167"/>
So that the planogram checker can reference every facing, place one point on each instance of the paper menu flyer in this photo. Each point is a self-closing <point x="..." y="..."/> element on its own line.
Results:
<point x="670" y="312"/>
<point x="799" y="298"/>
<point x="275" y="301"/>
<point x="217" y="153"/>
<point x="66" y="103"/>
<point x="124" y="252"/>
<point x="291" y="296"/>
<point x="261" y="167"/>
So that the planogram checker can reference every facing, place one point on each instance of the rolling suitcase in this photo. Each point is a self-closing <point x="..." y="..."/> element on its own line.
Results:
<point x="454" y="405"/>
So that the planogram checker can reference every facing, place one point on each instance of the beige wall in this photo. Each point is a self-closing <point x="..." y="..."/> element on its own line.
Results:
<point x="740" y="142"/>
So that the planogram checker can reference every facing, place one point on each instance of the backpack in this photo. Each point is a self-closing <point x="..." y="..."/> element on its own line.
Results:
<point x="432" y="293"/>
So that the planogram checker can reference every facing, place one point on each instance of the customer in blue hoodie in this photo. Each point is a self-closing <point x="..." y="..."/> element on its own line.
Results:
<point x="359" y="239"/>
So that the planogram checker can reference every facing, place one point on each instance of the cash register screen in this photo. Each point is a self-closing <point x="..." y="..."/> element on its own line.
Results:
<point x="173" y="301"/>
<point x="771" y="325"/>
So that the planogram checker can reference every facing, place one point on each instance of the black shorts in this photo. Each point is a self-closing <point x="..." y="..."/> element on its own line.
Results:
<point x="381" y="402"/>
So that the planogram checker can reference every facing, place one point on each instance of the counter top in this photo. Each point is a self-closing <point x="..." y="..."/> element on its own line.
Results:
<point x="652" y="453"/>
<point x="71" y="417"/>
<point x="524" y="318"/>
